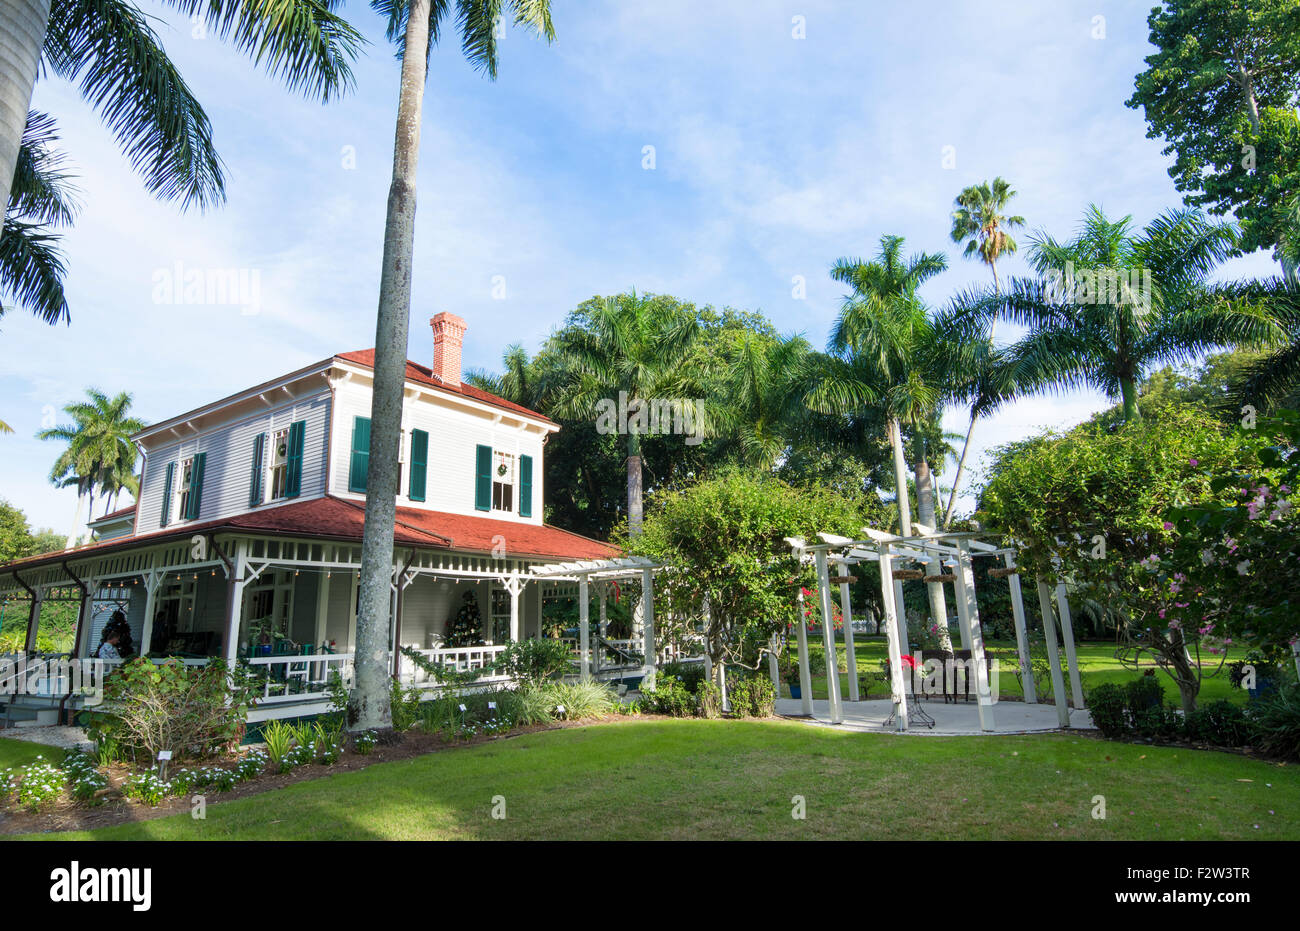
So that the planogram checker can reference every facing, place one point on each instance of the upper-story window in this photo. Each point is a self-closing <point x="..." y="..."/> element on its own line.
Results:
<point x="186" y="487"/>
<point x="503" y="482"/>
<point x="183" y="489"/>
<point x="279" y="464"/>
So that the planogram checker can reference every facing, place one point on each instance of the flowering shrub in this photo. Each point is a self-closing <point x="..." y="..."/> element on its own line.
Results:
<point x="83" y="776"/>
<point x="35" y="785"/>
<point x="365" y="742"/>
<point x="147" y="787"/>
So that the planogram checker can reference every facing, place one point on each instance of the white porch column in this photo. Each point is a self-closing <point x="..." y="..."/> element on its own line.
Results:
<point x="1067" y="635"/>
<point x="846" y="608"/>
<point x="648" y="620"/>
<point x="151" y="579"/>
<point x="1022" y="634"/>
<point x="828" y="638"/>
<point x="1053" y="657"/>
<point x="235" y="605"/>
<point x="969" y="617"/>
<point x="584" y="634"/>
<point x="889" y="589"/>
<point x="515" y="586"/>
<point x="805" y="674"/>
<point x="322" y="607"/>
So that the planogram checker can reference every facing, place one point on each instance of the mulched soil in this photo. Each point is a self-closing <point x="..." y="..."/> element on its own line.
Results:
<point x="69" y="815"/>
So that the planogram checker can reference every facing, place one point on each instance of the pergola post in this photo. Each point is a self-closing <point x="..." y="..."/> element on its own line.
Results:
<point x="828" y="638"/>
<point x="1053" y="657"/>
<point x="1022" y="634"/>
<point x="773" y="668"/>
<point x="648" y="618"/>
<point x="805" y="674"/>
<point x="1067" y="636"/>
<point x="888" y="588"/>
<point x="846" y="609"/>
<point x="584" y="633"/>
<point x="900" y="607"/>
<point x="968" y="616"/>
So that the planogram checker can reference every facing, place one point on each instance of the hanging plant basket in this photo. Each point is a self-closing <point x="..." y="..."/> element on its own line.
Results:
<point x="1003" y="573"/>
<point x="946" y="577"/>
<point x="908" y="575"/>
<point x="843" y="579"/>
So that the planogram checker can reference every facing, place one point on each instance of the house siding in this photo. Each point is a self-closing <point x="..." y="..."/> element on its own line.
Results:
<point x="229" y="450"/>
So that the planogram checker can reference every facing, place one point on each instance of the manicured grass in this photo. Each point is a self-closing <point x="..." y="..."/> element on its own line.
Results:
<point x="18" y="752"/>
<point x="1097" y="664"/>
<point x="725" y="779"/>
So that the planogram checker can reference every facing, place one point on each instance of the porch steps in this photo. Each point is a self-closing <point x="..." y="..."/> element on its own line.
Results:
<point x="29" y="716"/>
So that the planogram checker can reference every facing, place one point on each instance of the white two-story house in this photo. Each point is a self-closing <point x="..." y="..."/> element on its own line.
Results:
<point x="245" y="542"/>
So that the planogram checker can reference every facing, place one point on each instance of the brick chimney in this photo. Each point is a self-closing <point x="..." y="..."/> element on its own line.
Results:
<point x="448" y="337"/>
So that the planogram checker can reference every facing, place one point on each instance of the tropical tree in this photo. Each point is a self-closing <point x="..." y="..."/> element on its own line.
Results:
<point x="1269" y="379"/>
<point x="415" y="25"/>
<point x="887" y="350"/>
<point x="761" y="409"/>
<point x="99" y="453"/>
<point x="979" y="220"/>
<point x="108" y="49"/>
<point x="1113" y="302"/>
<point x="628" y="348"/>
<point x="1221" y="89"/>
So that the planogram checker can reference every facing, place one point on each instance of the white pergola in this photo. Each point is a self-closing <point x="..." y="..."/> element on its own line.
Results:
<point x="929" y="547"/>
<point x="585" y="572"/>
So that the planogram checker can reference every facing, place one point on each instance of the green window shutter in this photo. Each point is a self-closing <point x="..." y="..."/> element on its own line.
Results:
<point x="483" y="479"/>
<point x="525" y="486"/>
<point x="419" y="463"/>
<point x="360" y="454"/>
<point x="167" y="494"/>
<point x="293" y="478"/>
<point x="255" y="482"/>
<point x="196" y="487"/>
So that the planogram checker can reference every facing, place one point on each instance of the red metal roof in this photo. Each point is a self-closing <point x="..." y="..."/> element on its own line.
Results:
<point x="337" y="519"/>
<point x="424" y="375"/>
<point x="112" y="515"/>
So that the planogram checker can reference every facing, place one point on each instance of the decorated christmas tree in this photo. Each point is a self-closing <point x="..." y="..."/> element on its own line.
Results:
<point x="464" y="630"/>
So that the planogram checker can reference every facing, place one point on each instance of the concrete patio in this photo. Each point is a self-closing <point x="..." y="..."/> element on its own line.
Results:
<point x="951" y="720"/>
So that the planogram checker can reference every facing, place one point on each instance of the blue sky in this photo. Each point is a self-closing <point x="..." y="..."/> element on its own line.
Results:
<point x="774" y="155"/>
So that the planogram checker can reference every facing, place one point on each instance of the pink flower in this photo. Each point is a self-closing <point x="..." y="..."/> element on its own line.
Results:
<point x="1168" y="526"/>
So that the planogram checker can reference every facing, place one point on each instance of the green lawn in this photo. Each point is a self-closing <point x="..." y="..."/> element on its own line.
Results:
<point x="696" y="779"/>
<point x="1097" y="664"/>
<point x="18" y="752"/>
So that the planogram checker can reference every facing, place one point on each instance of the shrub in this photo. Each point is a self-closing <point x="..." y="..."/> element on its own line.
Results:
<point x="83" y="776"/>
<point x="1275" y="720"/>
<point x="1108" y="704"/>
<point x="534" y="706"/>
<point x="36" y="785"/>
<point x="691" y="675"/>
<point x="708" y="697"/>
<point x="1220" y="723"/>
<point x="752" y="696"/>
<point x="532" y="661"/>
<point x="365" y="742"/>
<point x="669" y="697"/>
<point x="405" y="706"/>
<point x="586" y="699"/>
<point x="146" y="787"/>
<point x="190" y="710"/>
<point x="279" y="737"/>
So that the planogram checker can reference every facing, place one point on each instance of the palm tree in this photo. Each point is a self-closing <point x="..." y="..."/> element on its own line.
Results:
<point x="979" y="221"/>
<point x="99" y="453"/>
<point x="415" y="25"/>
<point x="1112" y="303"/>
<point x="1273" y="379"/>
<point x="629" y="345"/>
<point x="762" y="407"/>
<point x="109" y="50"/>
<point x="886" y="349"/>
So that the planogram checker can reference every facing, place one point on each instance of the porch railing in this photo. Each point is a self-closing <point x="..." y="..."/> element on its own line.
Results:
<point x="457" y="659"/>
<point x="299" y="678"/>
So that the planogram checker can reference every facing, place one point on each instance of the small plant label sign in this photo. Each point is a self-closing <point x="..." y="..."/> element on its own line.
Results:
<point x="462" y="709"/>
<point x="164" y="756"/>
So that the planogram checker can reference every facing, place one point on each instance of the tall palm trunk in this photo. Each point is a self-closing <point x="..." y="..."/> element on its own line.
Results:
<point x="22" y="34"/>
<point x="970" y="430"/>
<point x="634" y="489"/>
<point x="900" y="477"/>
<point x="369" y="702"/>
<point x="1129" y="395"/>
<point x="76" y="522"/>
<point x="925" y="514"/>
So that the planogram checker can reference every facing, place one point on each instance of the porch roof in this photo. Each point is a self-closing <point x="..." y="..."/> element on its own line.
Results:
<point x="336" y="519"/>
